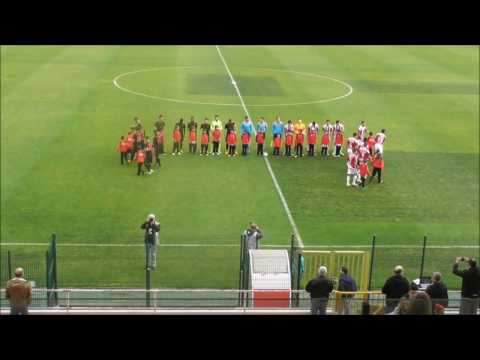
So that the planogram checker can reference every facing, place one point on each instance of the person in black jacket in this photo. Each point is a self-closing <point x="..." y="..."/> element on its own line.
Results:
<point x="470" y="285"/>
<point x="346" y="283"/>
<point x="395" y="287"/>
<point x="438" y="291"/>
<point x="152" y="228"/>
<point x="320" y="289"/>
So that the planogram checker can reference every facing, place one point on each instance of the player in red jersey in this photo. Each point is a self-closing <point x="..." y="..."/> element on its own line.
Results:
<point x="217" y="134"/>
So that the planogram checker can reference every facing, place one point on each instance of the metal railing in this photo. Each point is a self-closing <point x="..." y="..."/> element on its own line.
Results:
<point x="197" y="299"/>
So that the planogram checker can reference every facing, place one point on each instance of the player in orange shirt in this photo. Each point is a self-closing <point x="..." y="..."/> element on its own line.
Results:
<point x="192" y="138"/>
<point x="245" y="142"/>
<point x="364" y="172"/>
<point x="378" y="165"/>
<point x="140" y="158"/>
<point x="299" y="147"/>
<point x="277" y="143"/>
<point x="177" y="137"/>
<point x="312" y="141"/>
<point x="260" y="141"/>
<point x="217" y="134"/>
<point x="204" y="143"/>
<point x="123" y="149"/>
<point x="130" y="141"/>
<point x="288" y="143"/>
<point x="232" y="142"/>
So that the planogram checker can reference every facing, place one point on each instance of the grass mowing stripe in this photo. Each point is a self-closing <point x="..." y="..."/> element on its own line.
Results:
<point x="267" y="162"/>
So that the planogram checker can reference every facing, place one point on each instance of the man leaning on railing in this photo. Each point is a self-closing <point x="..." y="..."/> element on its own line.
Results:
<point x="19" y="293"/>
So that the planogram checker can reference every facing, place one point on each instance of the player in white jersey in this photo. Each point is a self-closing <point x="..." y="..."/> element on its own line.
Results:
<point x="352" y="168"/>
<point x="313" y="127"/>
<point x="362" y="130"/>
<point x="328" y="129"/>
<point x="352" y="142"/>
<point x="363" y="153"/>
<point x="380" y="141"/>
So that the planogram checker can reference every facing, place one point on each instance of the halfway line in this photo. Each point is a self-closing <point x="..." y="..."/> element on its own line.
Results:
<point x="269" y="167"/>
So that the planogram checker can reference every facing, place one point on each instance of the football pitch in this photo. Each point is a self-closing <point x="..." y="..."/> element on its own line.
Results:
<point x="64" y="108"/>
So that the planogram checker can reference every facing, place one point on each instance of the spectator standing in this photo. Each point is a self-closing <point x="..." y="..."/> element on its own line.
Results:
<point x="320" y="289"/>
<point x="394" y="288"/>
<point x="252" y="235"/>
<point x="152" y="228"/>
<point x="19" y="293"/>
<point x="470" y="285"/>
<point x="437" y="291"/>
<point x="346" y="283"/>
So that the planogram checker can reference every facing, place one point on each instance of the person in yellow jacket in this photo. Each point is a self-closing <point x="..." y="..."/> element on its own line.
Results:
<point x="299" y="127"/>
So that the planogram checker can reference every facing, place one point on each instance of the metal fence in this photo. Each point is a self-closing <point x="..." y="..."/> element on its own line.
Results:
<point x="192" y="299"/>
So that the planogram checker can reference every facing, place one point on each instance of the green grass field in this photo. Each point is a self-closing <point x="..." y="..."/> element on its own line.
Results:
<point x="62" y="116"/>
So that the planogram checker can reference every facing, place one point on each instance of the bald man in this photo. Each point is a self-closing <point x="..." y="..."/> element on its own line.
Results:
<point x="19" y="293"/>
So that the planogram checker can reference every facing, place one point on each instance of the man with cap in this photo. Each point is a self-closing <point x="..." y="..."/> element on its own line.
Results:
<point x="152" y="228"/>
<point x="19" y="293"/>
<point x="395" y="288"/>
<point x="252" y="235"/>
<point x="320" y="289"/>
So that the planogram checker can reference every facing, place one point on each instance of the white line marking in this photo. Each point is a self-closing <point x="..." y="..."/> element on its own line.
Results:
<point x="116" y="84"/>
<point x="402" y="246"/>
<point x="275" y="182"/>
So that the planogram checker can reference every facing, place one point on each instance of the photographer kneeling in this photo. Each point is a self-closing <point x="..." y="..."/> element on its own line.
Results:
<point x="152" y="228"/>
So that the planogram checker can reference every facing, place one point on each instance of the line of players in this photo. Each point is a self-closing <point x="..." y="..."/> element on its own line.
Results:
<point x="138" y="147"/>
